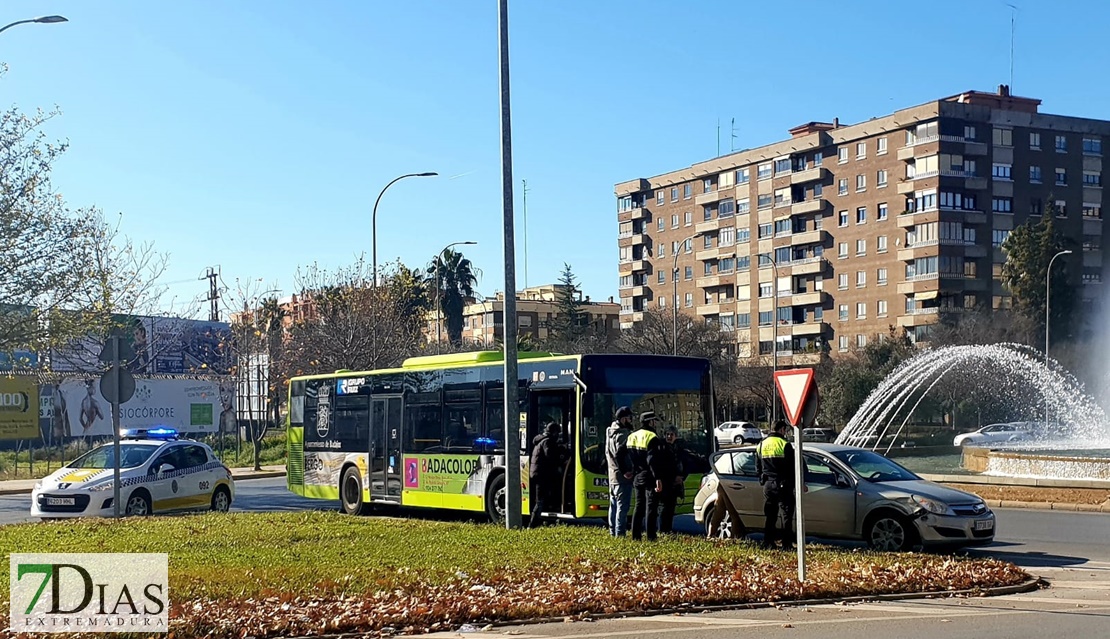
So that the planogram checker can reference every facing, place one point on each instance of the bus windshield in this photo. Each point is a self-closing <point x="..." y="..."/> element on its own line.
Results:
<point x="679" y="397"/>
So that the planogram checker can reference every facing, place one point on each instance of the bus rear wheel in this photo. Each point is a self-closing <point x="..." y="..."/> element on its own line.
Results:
<point x="495" y="500"/>
<point x="350" y="492"/>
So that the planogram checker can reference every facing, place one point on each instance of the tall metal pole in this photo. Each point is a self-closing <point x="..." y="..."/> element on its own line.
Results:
<point x="118" y="374"/>
<point x="439" y="308"/>
<point x="674" y="310"/>
<point x="513" y="502"/>
<point x="1047" y="303"/>
<point x="774" y="337"/>
<point x="42" y="20"/>
<point x="524" y="190"/>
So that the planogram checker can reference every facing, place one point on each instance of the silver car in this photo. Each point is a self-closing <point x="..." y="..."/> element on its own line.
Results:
<point x="852" y="494"/>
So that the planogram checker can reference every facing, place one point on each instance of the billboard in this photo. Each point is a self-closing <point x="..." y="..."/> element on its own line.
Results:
<point x="162" y="345"/>
<point x="189" y="405"/>
<point x="19" y="412"/>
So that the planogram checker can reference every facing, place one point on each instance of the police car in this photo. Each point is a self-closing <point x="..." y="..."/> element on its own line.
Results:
<point x="158" y="473"/>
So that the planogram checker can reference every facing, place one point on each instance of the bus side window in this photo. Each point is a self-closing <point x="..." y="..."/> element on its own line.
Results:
<point x="495" y="428"/>
<point x="463" y="428"/>
<point x="424" y="428"/>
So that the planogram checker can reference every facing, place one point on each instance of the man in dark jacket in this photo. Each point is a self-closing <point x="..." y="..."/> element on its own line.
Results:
<point x="673" y="477"/>
<point x="775" y="467"/>
<point x="545" y="472"/>
<point x="644" y="446"/>
<point x="620" y="470"/>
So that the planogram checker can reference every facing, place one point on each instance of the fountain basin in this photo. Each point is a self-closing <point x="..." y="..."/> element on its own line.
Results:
<point x="1066" y="465"/>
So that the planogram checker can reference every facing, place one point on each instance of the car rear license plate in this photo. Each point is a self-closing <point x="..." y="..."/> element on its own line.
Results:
<point x="60" y="501"/>
<point x="984" y="524"/>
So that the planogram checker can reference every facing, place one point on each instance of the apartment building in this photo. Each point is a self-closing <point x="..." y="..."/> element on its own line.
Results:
<point x="536" y="307"/>
<point x="822" y="242"/>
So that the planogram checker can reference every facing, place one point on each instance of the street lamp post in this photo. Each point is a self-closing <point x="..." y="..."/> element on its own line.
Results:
<point x="374" y="217"/>
<point x="41" y="20"/>
<point x="774" y="336"/>
<point x="439" y="267"/>
<point x="674" y="278"/>
<point x="1047" y="304"/>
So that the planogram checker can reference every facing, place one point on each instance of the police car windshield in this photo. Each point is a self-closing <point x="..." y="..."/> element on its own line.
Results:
<point x="133" y="455"/>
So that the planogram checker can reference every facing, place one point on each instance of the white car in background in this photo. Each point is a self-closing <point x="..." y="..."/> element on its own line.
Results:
<point x="158" y="473"/>
<point x="994" y="434"/>
<point x="737" y="433"/>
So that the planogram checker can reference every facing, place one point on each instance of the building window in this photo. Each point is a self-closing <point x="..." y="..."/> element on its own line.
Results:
<point x="726" y="265"/>
<point x="674" y="193"/>
<point x="707" y="212"/>
<point x="818" y="190"/>
<point x="674" y="221"/>
<point x="659" y="197"/>
<point x="880" y="146"/>
<point x="1035" y="141"/>
<point x="765" y="231"/>
<point x="882" y="211"/>
<point x="743" y="235"/>
<point x="1001" y="171"/>
<point x="686" y="191"/>
<point x="764" y="201"/>
<point x="998" y="237"/>
<point x="707" y="242"/>
<point x="724" y="180"/>
<point x="726" y="236"/>
<point x="743" y="176"/>
<point x="1092" y="146"/>
<point x="782" y="227"/>
<point x="726" y="208"/>
<point x="861" y="340"/>
<point x="743" y="263"/>
<point x="1002" y="205"/>
<point x="1061" y="144"/>
<point x="861" y="279"/>
<point x="663" y="301"/>
<point x="689" y="301"/>
<point x="661" y="224"/>
<point x="842" y="219"/>
<point x="688" y="218"/>
<point x="743" y="206"/>
<point x="861" y="150"/>
<point x="1036" y="206"/>
<point x="662" y="252"/>
<point x="782" y="166"/>
<point x="1061" y="177"/>
<point x="861" y="215"/>
<point x="818" y="157"/>
<point x="861" y="310"/>
<point x="763" y="171"/>
<point x="1003" y="137"/>
<point x="880" y="308"/>
<point x="842" y="186"/>
<point x="842" y="154"/>
<point x="707" y="185"/>
<point x="688" y="273"/>
<point x="842" y="312"/>
<point x="1092" y="178"/>
<point x="880" y="277"/>
<point x="880" y="244"/>
<point x="765" y="289"/>
<point x="744" y="320"/>
<point x="1092" y="211"/>
<point x="861" y="247"/>
<point x="861" y="183"/>
<point x="842" y="250"/>
<point x="880" y="178"/>
<point x="707" y="269"/>
<point x="782" y="197"/>
<point x="844" y="342"/>
<point x="1035" y="174"/>
<point x="662" y="277"/>
<point x="842" y="281"/>
<point x="1061" y="208"/>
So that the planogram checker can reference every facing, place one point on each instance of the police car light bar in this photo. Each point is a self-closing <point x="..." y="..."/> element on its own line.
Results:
<point x="148" y="433"/>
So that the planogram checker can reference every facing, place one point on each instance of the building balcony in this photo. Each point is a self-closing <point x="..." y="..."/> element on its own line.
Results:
<point x="707" y="254"/>
<point x="816" y="205"/>
<point x="973" y="149"/>
<point x="905" y="187"/>
<point x="920" y="317"/>
<point x="707" y="282"/>
<point x="808" y="237"/>
<point x="1092" y="226"/>
<point x="812" y="328"/>
<point x="809" y="266"/>
<point x="975" y="183"/>
<point x="913" y="218"/>
<point x="714" y="196"/>
<point x="809" y="175"/>
<point x="640" y="266"/>
<point x="970" y="216"/>
<point x="709" y="309"/>
<point x="921" y="249"/>
<point x="905" y="153"/>
<point x="809" y="298"/>
<point x="708" y="226"/>
<point x="641" y="239"/>
<point x="975" y="250"/>
<point x="637" y="213"/>
<point x="639" y="291"/>
<point x="919" y="284"/>
<point x="809" y="358"/>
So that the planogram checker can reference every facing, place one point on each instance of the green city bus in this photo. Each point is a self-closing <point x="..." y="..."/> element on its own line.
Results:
<point x="431" y="433"/>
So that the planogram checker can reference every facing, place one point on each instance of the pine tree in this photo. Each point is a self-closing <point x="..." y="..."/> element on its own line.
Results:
<point x="570" y="322"/>
<point x="1029" y="249"/>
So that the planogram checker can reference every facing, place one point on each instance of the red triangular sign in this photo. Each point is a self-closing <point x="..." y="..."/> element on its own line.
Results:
<point x="794" y="386"/>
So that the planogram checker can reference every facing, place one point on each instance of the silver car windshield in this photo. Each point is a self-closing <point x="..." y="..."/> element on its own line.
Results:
<point x="873" y="466"/>
<point x="133" y="455"/>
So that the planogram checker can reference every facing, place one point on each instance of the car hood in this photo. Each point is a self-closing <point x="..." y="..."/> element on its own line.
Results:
<point x="932" y="490"/>
<point x="76" y="477"/>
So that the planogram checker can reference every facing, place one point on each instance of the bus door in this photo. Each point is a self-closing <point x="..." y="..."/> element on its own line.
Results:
<point x="555" y="405"/>
<point x="385" y="449"/>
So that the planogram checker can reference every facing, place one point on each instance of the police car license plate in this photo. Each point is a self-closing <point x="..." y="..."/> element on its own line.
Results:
<point x="984" y="524"/>
<point x="60" y="501"/>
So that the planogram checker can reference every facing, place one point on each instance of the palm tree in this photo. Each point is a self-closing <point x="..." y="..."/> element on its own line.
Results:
<point x="455" y="277"/>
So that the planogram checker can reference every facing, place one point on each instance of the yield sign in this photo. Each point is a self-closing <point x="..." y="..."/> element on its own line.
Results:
<point x="794" y="387"/>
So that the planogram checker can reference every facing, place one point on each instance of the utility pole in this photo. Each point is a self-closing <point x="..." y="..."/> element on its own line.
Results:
<point x="212" y="274"/>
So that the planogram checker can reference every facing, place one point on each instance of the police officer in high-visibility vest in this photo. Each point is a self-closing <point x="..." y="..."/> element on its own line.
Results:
<point x="775" y="467"/>
<point x="645" y="448"/>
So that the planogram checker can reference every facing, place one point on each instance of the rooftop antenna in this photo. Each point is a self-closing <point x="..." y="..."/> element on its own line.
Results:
<point x="718" y="137"/>
<point x="524" y="184"/>
<point x="732" y="148"/>
<point x="1013" y="15"/>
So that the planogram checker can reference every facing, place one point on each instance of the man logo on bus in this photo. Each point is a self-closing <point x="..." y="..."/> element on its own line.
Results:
<point x="412" y="473"/>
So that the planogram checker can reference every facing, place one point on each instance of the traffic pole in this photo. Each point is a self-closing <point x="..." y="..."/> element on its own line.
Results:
<point x="115" y="424"/>
<point x="799" y="488"/>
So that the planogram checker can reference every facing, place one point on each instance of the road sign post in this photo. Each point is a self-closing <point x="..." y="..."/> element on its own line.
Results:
<point x="799" y="401"/>
<point x="117" y="386"/>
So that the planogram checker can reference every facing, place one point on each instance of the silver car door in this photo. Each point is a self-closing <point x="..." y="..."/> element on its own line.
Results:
<point x="829" y="505"/>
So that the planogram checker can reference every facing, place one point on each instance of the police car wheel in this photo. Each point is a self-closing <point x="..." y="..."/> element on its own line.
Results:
<point x="221" y="500"/>
<point x="138" y="504"/>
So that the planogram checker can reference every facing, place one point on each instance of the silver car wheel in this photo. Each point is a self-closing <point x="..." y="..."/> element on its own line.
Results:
<point x="887" y="534"/>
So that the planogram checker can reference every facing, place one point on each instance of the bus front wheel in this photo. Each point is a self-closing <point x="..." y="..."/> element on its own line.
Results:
<point x="350" y="492"/>
<point x="495" y="500"/>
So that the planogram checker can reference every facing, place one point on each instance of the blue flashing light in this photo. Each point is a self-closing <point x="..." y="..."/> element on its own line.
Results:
<point x="149" y="433"/>
<point x="485" y="441"/>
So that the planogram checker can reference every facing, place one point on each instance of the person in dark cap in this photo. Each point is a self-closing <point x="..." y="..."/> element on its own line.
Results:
<point x="644" y="446"/>
<point x="545" y="472"/>
<point x="620" y="470"/>
<point x="673" y="476"/>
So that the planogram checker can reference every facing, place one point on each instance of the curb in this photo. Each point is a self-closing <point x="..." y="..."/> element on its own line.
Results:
<point x="1029" y="585"/>
<point x="265" y="474"/>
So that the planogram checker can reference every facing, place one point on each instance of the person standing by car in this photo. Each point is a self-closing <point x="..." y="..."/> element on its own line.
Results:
<point x="545" y="472"/>
<point x="644" y="447"/>
<point x="620" y="470"/>
<point x="775" y="467"/>
<point x="673" y="477"/>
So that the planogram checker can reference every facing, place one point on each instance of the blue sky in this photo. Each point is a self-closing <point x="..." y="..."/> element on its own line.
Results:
<point x="256" y="135"/>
